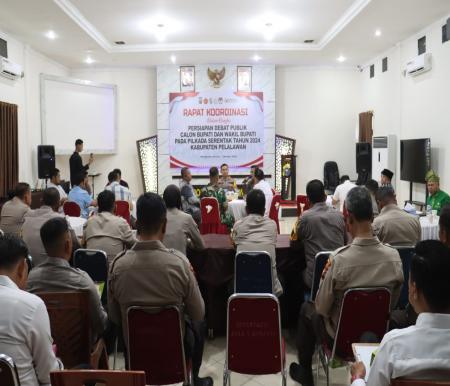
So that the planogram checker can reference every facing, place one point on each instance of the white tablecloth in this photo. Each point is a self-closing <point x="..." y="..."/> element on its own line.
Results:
<point x="77" y="224"/>
<point x="237" y="209"/>
<point x="133" y="211"/>
<point x="430" y="227"/>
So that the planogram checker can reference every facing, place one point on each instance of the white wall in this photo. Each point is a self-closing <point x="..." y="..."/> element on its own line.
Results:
<point x="26" y="94"/>
<point x="319" y="108"/>
<point x="413" y="107"/>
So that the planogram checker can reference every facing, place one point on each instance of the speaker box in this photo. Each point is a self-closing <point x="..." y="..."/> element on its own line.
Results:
<point x="363" y="157"/>
<point x="46" y="160"/>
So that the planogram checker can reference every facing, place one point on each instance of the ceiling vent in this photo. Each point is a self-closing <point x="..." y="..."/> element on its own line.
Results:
<point x="308" y="41"/>
<point x="119" y="42"/>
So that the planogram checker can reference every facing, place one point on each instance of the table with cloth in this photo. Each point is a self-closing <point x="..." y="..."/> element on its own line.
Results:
<point x="430" y="227"/>
<point x="77" y="224"/>
<point x="237" y="209"/>
<point x="214" y="268"/>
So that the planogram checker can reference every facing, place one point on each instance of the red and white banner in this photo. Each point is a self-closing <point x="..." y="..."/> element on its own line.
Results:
<point x="215" y="127"/>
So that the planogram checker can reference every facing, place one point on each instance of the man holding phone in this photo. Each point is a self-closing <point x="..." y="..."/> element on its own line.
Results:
<point x="76" y="163"/>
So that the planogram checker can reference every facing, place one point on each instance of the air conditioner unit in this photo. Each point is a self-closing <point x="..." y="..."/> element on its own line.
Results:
<point x="383" y="155"/>
<point x="10" y="69"/>
<point x="419" y="65"/>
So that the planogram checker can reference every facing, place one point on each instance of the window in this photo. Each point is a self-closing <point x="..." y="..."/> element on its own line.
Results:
<point x="422" y="45"/>
<point x="372" y="70"/>
<point x="385" y="64"/>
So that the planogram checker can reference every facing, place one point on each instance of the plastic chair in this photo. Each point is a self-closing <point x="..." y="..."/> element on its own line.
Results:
<point x="413" y="382"/>
<point x="274" y="207"/>
<point x="92" y="377"/>
<point x="8" y="371"/>
<point x="253" y="272"/>
<point x="71" y="329"/>
<point x="209" y="208"/>
<point x="122" y="209"/>
<point x="254" y="342"/>
<point x="71" y="209"/>
<point x="302" y="199"/>
<point x="155" y="345"/>
<point x="320" y="261"/>
<point x="406" y="254"/>
<point x="95" y="263"/>
<point x="363" y="310"/>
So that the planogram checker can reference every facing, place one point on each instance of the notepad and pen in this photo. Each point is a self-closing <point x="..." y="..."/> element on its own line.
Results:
<point x="365" y="353"/>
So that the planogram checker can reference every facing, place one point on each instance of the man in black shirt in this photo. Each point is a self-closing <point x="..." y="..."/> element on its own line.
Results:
<point x="76" y="163"/>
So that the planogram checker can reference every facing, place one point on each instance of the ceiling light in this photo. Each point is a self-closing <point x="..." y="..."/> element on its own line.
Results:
<point x="269" y="25"/>
<point x="51" y="35"/>
<point x="160" y="26"/>
<point x="173" y="58"/>
<point x="89" y="60"/>
<point x="256" y="58"/>
<point x="341" y="59"/>
<point x="377" y="33"/>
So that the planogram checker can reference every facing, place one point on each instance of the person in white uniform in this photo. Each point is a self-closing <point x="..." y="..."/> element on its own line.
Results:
<point x="341" y="192"/>
<point x="421" y="351"/>
<point x="261" y="184"/>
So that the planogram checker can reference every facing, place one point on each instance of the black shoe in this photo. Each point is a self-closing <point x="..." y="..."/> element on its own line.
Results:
<point x="301" y="375"/>
<point x="206" y="381"/>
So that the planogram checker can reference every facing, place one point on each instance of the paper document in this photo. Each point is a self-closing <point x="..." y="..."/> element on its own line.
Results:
<point x="364" y="352"/>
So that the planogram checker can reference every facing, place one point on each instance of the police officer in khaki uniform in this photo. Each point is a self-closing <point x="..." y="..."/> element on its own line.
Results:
<point x="151" y="274"/>
<point x="181" y="228"/>
<point x="14" y="210"/>
<point x="364" y="263"/>
<point x="393" y="225"/>
<point x="106" y="231"/>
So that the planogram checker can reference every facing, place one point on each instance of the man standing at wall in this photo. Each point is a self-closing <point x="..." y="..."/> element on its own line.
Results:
<point x="76" y="163"/>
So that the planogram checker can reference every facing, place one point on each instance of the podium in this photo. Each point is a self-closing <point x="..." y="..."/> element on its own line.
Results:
<point x="93" y="175"/>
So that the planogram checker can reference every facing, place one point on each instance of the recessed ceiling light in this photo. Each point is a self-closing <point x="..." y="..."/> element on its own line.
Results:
<point x="51" y="35"/>
<point x="269" y="25"/>
<point x="341" y="59"/>
<point x="160" y="26"/>
<point x="256" y="58"/>
<point x="173" y="58"/>
<point x="377" y="33"/>
<point x="89" y="60"/>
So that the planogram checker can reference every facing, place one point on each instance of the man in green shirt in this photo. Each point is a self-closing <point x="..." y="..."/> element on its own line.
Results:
<point x="437" y="198"/>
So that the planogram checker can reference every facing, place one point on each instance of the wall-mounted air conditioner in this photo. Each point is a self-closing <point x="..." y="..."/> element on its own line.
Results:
<point x="419" y="65"/>
<point x="10" y="69"/>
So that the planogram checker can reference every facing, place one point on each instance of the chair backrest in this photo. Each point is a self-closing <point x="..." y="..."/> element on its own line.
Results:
<point x="253" y="272"/>
<point x="122" y="209"/>
<point x="364" y="311"/>
<point x="1" y="233"/>
<point x="302" y="199"/>
<point x="319" y="264"/>
<point x="414" y="382"/>
<point x="69" y="324"/>
<point x="99" y="377"/>
<point x="71" y="209"/>
<point x="254" y="344"/>
<point x="209" y="207"/>
<point x="406" y="254"/>
<point x="8" y="371"/>
<point x="155" y="344"/>
<point x="274" y="207"/>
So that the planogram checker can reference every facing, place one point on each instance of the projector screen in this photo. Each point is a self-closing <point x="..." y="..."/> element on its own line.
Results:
<point x="73" y="108"/>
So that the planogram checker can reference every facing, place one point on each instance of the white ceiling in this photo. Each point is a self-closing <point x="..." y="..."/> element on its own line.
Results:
<point x="212" y="31"/>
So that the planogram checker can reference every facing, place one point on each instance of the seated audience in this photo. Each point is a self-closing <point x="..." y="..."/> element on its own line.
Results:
<point x="56" y="275"/>
<point x="34" y="220"/>
<point x="258" y="233"/>
<point x="181" y="228"/>
<point x="444" y="225"/>
<point x="80" y="195"/>
<point x="226" y="182"/>
<point x="386" y="177"/>
<point x="214" y="190"/>
<point x="320" y="228"/>
<point x="260" y="183"/>
<point x="24" y="324"/>
<point x="190" y="203"/>
<point x="122" y="182"/>
<point x="247" y="183"/>
<point x="341" y="192"/>
<point x="120" y="192"/>
<point x="14" y="210"/>
<point x="372" y="187"/>
<point x="55" y="182"/>
<point x="159" y="277"/>
<point x="105" y="231"/>
<point x="366" y="262"/>
<point x="393" y="225"/>
<point x="420" y="351"/>
<point x="437" y="198"/>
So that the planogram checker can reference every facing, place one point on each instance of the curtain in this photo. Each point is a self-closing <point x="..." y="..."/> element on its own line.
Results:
<point x="9" y="156"/>
<point x="365" y="127"/>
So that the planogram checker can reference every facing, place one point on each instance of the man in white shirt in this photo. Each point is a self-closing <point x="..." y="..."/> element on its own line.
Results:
<point x="121" y="192"/>
<point x="421" y="351"/>
<point x="24" y="324"/>
<point x="341" y="192"/>
<point x="261" y="184"/>
<point x="55" y="182"/>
